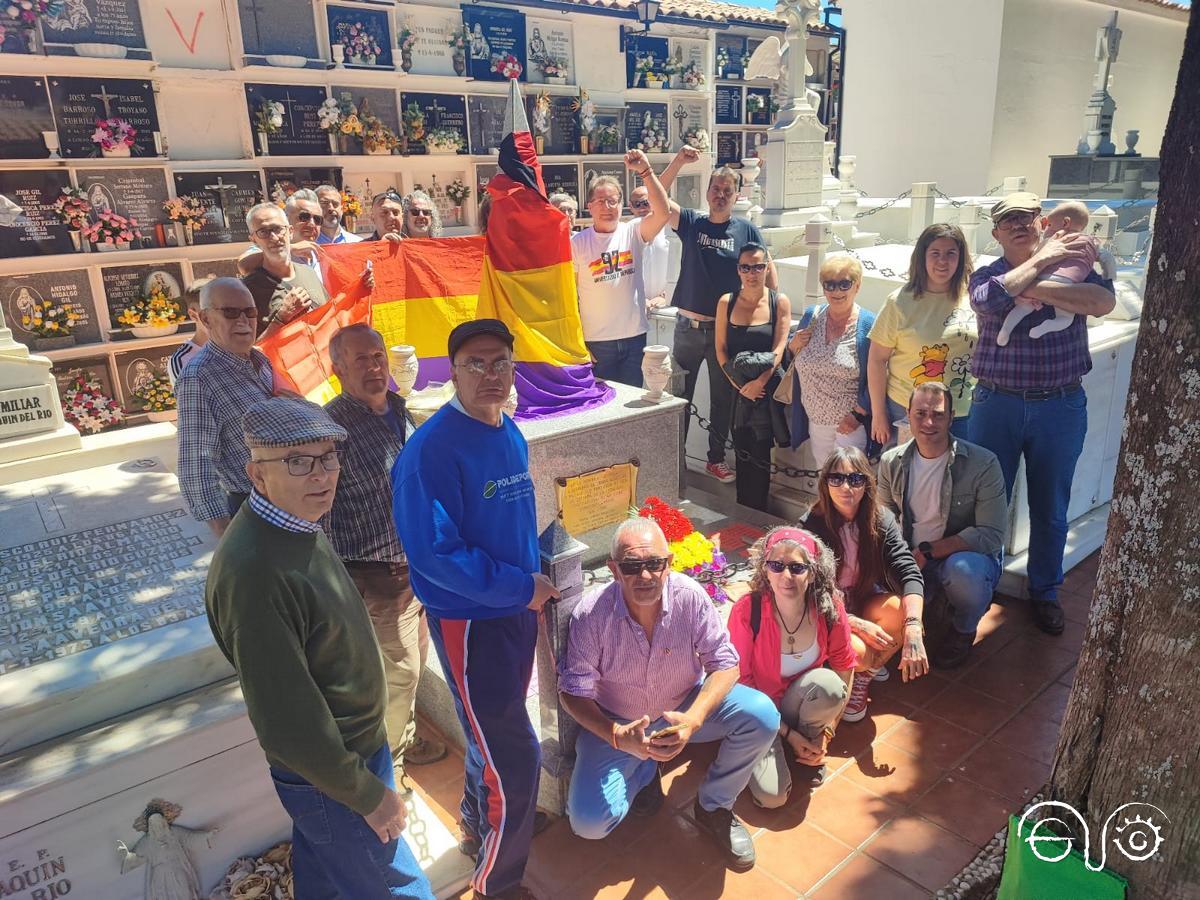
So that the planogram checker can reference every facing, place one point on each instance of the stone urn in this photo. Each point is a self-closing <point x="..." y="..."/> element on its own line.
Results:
<point x="338" y="52"/>
<point x="656" y="371"/>
<point x="404" y="365"/>
<point x="1131" y="139"/>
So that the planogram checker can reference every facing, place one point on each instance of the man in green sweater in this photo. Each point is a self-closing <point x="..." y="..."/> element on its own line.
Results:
<point x="286" y="614"/>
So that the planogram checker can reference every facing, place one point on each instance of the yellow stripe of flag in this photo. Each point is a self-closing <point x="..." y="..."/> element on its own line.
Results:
<point x="530" y="302"/>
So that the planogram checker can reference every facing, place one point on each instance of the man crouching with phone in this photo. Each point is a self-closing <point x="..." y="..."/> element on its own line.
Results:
<point x="648" y="668"/>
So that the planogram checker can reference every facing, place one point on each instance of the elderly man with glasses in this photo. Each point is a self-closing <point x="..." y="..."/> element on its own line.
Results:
<point x="649" y="668"/>
<point x="1029" y="401"/>
<point x="282" y="287"/>
<point x="286" y="614"/>
<point x="221" y="381"/>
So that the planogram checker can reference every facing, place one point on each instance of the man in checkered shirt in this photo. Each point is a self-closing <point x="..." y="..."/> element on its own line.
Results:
<point x="224" y="379"/>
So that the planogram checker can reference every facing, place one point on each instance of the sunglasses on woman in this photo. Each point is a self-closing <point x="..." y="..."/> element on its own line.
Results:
<point x="854" y="479"/>
<point x="796" y="569"/>
<point x="844" y="285"/>
<point x="637" y="566"/>
<point x="756" y="268"/>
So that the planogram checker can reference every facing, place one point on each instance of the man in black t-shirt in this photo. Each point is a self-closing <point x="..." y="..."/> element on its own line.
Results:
<point x="707" y="271"/>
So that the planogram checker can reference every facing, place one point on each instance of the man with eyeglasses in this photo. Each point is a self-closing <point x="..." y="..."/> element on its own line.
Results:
<point x="464" y="507"/>
<point x="707" y="271"/>
<point x="1029" y="401"/>
<point x="649" y="668"/>
<point x="222" y="380"/>
<point x="332" y="232"/>
<point x="287" y="616"/>
<point x="656" y="256"/>
<point x="304" y="216"/>
<point x="282" y="288"/>
<point x="363" y="532"/>
<point x="608" y="258"/>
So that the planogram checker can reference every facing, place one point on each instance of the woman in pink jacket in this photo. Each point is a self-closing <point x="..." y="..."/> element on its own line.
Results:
<point x="793" y="638"/>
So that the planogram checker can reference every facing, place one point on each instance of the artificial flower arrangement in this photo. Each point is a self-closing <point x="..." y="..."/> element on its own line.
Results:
<point x="50" y="320"/>
<point x="330" y="115"/>
<point x="692" y="76"/>
<point x="87" y="407"/>
<point x="361" y="44"/>
<point x="188" y="211"/>
<point x="407" y="39"/>
<point x="155" y="310"/>
<point x="694" y="554"/>
<point x="458" y="40"/>
<point x="585" y="111"/>
<point x="745" y="61"/>
<point x="722" y="59"/>
<point x="445" y="140"/>
<point x="646" y="70"/>
<point x="376" y="135"/>
<point x="269" y="877"/>
<point x="23" y="14"/>
<point x="672" y="66"/>
<point x="113" y="133"/>
<point x="697" y="137"/>
<point x="73" y="208"/>
<point x="506" y="65"/>
<point x="552" y="68"/>
<point x="608" y="137"/>
<point x="351" y="205"/>
<point x="111" y="228"/>
<point x="458" y="192"/>
<point x="156" y="394"/>
<point x="541" y="114"/>
<point x="414" y="121"/>
<point x="754" y="103"/>
<point x="652" y="139"/>
<point x="269" y="118"/>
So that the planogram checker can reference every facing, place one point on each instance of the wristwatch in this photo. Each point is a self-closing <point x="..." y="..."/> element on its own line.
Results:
<point x="926" y="548"/>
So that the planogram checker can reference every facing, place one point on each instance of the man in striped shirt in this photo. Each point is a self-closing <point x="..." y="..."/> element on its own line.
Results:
<point x="185" y="351"/>
<point x="648" y="668"/>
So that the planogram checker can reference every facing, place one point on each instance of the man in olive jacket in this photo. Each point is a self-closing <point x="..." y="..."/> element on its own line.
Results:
<point x="949" y="497"/>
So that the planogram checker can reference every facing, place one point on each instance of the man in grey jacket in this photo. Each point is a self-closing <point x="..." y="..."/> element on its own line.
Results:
<point x="949" y="497"/>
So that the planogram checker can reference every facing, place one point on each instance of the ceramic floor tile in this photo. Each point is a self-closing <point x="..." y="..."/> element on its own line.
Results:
<point x="915" y="693"/>
<point x="1006" y="772"/>
<point x="964" y="808"/>
<point x="848" y="811"/>
<point x="1032" y="734"/>
<point x="800" y="856"/>
<point x="921" y="851"/>
<point x="932" y="738"/>
<point x="894" y="774"/>
<point x="558" y="857"/>
<point x="969" y="709"/>
<point x="756" y="884"/>
<point x="1052" y="702"/>
<point x="682" y="775"/>
<point x="1019" y="672"/>
<point x="863" y="878"/>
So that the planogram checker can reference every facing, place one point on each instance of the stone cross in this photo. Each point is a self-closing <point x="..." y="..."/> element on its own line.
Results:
<point x="106" y="98"/>
<point x="291" y="118"/>
<point x="253" y="4"/>
<point x="679" y="115"/>
<point x="1101" y="106"/>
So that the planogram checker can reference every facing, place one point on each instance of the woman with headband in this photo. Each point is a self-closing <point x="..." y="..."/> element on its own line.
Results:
<point x="793" y="639"/>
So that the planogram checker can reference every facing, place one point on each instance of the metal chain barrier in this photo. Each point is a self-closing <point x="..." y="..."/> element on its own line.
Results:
<point x="955" y="203"/>
<point x="744" y="456"/>
<point x="875" y="209"/>
<point x="992" y="190"/>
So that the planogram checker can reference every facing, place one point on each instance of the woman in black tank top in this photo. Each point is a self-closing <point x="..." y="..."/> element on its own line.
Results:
<point x="752" y="328"/>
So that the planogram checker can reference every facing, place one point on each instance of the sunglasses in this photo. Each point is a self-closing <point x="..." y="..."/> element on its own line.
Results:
<point x="756" y="268"/>
<point x="640" y="204"/>
<point x="236" y="312"/>
<point x="777" y="567"/>
<point x="387" y="195"/>
<point x="844" y="285"/>
<point x="854" y="479"/>
<point x="307" y="217"/>
<point x="637" y="566"/>
<point x="427" y="213"/>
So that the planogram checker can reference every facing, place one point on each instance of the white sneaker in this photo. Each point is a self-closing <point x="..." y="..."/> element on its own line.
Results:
<point x="720" y="471"/>
<point x="881" y="674"/>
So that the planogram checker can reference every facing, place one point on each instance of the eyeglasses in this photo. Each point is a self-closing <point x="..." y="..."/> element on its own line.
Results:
<point x="271" y="231"/>
<point x="1017" y="220"/>
<point x="478" y="368"/>
<point x="236" y="312"/>
<point x="640" y="204"/>
<point x="426" y="213"/>
<point x="301" y="464"/>
<point x="777" y="567"/>
<point x="844" y="285"/>
<point x="756" y="268"/>
<point x="306" y="217"/>
<point x="856" y="480"/>
<point x="605" y="201"/>
<point x="638" y="566"/>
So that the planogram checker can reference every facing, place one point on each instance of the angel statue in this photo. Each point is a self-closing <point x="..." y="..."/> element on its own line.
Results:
<point x="163" y="850"/>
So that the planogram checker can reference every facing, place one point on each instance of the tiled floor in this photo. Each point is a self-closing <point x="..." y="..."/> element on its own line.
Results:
<point x="920" y="786"/>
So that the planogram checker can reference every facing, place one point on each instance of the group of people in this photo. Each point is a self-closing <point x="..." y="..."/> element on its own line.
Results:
<point x="363" y="541"/>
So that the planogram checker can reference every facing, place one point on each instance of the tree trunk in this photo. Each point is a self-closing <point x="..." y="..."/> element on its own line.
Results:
<point x="1132" y="728"/>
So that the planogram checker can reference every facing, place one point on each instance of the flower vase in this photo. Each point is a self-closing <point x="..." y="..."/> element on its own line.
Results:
<point x="181" y="234"/>
<point x="338" y="52"/>
<point x="1131" y="139"/>
<point x="164" y="415"/>
<point x="404" y="366"/>
<point x="264" y="145"/>
<point x="33" y="40"/>
<point x="458" y="215"/>
<point x="76" y="239"/>
<point x="154" y="331"/>
<point x="460" y="64"/>
<point x="377" y="150"/>
<point x="333" y="144"/>
<point x="189" y="235"/>
<point x="406" y="61"/>
<point x="539" y="144"/>
<point x="123" y="245"/>
<point x="349" y="222"/>
<point x="119" y="151"/>
<point x="583" y="144"/>
<point x="656" y="371"/>
<point x="556" y="79"/>
<point x="104" y="246"/>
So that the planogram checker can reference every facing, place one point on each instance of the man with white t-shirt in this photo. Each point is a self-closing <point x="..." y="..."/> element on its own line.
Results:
<point x="657" y="255"/>
<point x="608" y="258"/>
<point x="949" y="496"/>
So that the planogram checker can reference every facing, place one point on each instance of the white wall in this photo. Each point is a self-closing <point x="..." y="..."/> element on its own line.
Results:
<point x="1046" y="74"/>
<point x="920" y="84"/>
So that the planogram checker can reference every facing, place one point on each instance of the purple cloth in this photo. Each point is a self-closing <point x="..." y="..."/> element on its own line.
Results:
<point x="545" y="390"/>
<point x="1054" y="360"/>
<point x="609" y="660"/>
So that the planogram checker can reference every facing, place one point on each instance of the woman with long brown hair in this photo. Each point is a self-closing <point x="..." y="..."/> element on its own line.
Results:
<point x="876" y="571"/>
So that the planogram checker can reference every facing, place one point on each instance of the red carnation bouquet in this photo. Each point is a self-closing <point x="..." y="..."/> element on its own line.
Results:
<point x="694" y="554"/>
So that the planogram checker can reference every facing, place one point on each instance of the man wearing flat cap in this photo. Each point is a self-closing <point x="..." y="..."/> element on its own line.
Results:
<point x="464" y="508"/>
<point x="287" y="616"/>
<point x="1030" y="401"/>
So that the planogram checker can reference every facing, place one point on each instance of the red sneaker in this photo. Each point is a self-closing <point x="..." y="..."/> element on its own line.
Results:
<point x="720" y="471"/>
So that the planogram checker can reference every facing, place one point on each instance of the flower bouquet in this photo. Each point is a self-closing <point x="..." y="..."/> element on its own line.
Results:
<point x="156" y="398"/>
<point x="87" y="407"/>
<point x="458" y="192"/>
<point x="555" y="70"/>
<point x="73" y="209"/>
<point x="414" y="121"/>
<point x="653" y="140"/>
<point x="114" y="137"/>
<point x="22" y="16"/>
<point x="585" y="114"/>
<point x="697" y="137"/>
<point x="506" y="65"/>
<point x="458" y="49"/>
<point x="362" y="48"/>
<point x="378" y="139"/>
<point x="722" y="61"/>
<point x="608" y="138"/>
<point x="111" y="231"/>
<point x="694" y="554"/>
<point x="692" y="76"/>
<point x="154" y="315"/>
<point x="406" y="40"/>
<point x="189" y="212"/>
<point x="351" y="205"/>
<point x="268" y="120"/>
<point x="443" y="140"/>
<point x="51" y="324"/>
<point x="269" y="877"/>
<point x="646" y="71"/>
<point x="754" y="103"/>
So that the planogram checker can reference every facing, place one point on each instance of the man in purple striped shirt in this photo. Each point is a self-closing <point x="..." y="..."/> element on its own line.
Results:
<point x="1030" y="400"/>
<point x="648" y="668"/>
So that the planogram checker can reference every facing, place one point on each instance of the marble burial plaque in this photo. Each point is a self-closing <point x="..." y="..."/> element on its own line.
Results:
<point x="125" y="284"/>
<point x="364" y="33"/>
<point x="19" y="294"/>
<point x="278" y="27"/>
<point x="26" y="410"/>
<point x="115" y="22"/>
<point x="687" y="114"/>
<point x="734" y="46"/>
<point x="729" y="147"/>
<point x="592" y="171"/>
<point x="219" y="268"/>
<point x="549" y="39"/>
<point x="638" y="46"/>
<point x="79" y="102"/>
<point x="90" y="557"/>
<point x="137" y="193"/>
<point x="729" y="104"/>
<point x="37" y="231"/>
<point x="228" y="195"/>
<point x="691" y="51"/>
<point x="762" y="115"/>
<point x="688" y="191"/>
<point x="563" y="138"/>
<point x="89" y="367"/>
<point x="496" y="36"/>
<point x="486" y="113"/>
<point x="136" y="369"/>
<point x="25" y="112"/>
<point x="651" y="134"/>
<point x="285" y="182"/>
<point x="380" y="101"/>
<point x="441" y="111"/>
<point x="562" y="178"/>
<point x="300" y="134"/>
<point x="432" y="28"/>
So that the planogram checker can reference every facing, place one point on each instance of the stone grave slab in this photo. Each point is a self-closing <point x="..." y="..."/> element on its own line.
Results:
<point x="101" y="599"/>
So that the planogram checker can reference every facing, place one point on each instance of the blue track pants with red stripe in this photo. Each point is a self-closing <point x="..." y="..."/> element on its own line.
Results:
<point x="488" y="664"/>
